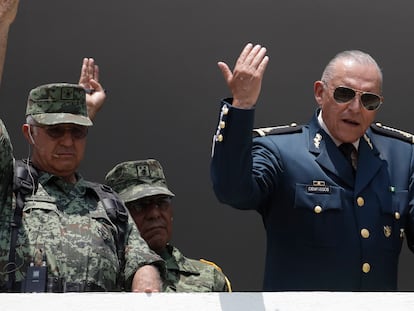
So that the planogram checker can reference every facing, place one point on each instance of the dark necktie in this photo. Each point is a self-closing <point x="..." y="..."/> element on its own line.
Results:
<point x="350" y="153"/>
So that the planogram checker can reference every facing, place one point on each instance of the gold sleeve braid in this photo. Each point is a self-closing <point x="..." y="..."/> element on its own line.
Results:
<point x="219" y="269"/>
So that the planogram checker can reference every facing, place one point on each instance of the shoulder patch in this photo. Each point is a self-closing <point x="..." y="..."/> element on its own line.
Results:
<point x="275" y="130"/>
<point x="392" y="132"/>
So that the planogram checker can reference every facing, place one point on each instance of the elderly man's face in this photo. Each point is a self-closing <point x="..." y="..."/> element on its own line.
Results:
<point x="57" y="149"/>
<point x="348" y="121"/>
<point x="153" y="216"/>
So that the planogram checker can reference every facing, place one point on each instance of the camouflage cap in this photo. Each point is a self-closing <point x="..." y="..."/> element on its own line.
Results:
<point x="57" y="103"/>
<point x="134" y="180"/>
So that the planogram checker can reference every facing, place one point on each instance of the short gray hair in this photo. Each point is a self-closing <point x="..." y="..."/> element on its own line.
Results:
<point x="356" y="55"/>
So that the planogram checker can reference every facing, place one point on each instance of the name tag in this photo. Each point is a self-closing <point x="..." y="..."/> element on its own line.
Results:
<point x="318" y="186"/>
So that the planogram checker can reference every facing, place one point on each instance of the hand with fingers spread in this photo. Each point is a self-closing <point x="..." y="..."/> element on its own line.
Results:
<point x="246" y="79"/>
<point x="95" y="93"/>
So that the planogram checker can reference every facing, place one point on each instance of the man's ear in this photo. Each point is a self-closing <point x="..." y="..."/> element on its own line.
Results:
<point x="319" y="91"/>
<point x="27" y="133"/>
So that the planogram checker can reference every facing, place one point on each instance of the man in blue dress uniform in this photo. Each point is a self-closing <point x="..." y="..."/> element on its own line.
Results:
<point x="334" y="220"/>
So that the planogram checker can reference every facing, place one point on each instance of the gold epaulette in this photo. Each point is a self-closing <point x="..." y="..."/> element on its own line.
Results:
<point x="219" y="269"/>
<point x="275" y="130"/>
<point x="392" y="132"/>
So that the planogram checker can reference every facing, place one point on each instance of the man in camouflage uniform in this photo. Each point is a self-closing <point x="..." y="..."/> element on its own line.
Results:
<point x="64" y="224"/>
<point x="143" y="187"/>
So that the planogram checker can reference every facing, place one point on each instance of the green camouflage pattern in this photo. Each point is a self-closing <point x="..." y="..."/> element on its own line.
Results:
<point x="191" y="275"/>
<point x="137" y="179"/>
<point x="57" y="103"/>
<point x="67" y="224"/>
<point x="6" y="198"/>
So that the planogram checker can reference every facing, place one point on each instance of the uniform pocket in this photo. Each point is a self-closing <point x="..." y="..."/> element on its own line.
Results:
<point x="320" y="214"/>
<point x="40" y="211"/>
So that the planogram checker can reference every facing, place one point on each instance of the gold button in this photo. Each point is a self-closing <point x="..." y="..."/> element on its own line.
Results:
<point x="220" y="138"/>
<point x="225" y="110"/>
<point x="397" y="215"/>
<point x="317" y="209"/>
<point x="365" y="233"/>
<point x="366" y="267"/>
<point x="360" y="201"/>
<point x="222" y="124"/>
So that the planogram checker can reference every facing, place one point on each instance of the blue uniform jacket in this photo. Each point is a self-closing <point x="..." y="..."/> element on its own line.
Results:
<point x="325" y="229"/>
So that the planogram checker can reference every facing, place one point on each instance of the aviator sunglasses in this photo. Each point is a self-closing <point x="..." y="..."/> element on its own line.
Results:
<point x="344" y="94"/>
<point x="58" y="131"/>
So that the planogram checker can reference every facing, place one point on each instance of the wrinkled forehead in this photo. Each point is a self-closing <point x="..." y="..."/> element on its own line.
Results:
<point x="363" y="76"/>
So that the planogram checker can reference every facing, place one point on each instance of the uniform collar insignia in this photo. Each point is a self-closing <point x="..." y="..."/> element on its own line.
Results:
<point x="317" y="140"/>
<point x="368" y="140"/>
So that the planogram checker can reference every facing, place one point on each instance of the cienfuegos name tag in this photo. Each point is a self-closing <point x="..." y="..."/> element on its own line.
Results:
<point x="318" y="186"/>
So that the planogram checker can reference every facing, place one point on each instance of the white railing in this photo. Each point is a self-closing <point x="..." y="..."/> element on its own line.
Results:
<point x="237" y="301"/>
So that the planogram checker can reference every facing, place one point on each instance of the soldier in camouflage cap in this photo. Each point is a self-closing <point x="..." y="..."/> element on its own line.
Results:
<point x="76" y="230"/>
<point x="53" y="111"/>
<point x="143" y="187"/>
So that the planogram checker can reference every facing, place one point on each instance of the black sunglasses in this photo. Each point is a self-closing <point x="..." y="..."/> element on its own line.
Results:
<point x="370" y="101"/>
<point x="140" y="205"/>
<point x="58" y="131"/>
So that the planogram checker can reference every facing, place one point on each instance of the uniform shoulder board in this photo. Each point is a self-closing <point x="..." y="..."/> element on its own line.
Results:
<point x="392" y="132"/>
<point x="275" y="130"/>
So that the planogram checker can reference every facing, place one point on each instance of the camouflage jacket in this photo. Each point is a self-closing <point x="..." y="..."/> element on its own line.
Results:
<point x="191" y="275"/>
<point x="66" y="225"/>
